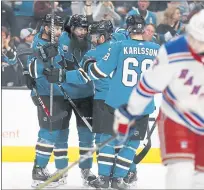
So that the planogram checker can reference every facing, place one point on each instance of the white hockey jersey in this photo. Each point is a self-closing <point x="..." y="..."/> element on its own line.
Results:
<point x="178" y="73"/>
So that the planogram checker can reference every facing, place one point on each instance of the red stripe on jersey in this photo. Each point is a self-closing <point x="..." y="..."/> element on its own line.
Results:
<point x="143" y="87"/>
<point x="192" y="119"/>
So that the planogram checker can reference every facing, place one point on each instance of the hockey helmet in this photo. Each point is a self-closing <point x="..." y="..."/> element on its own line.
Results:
<point x="58" y="21"/>
<point x="196" y="26"/>
<point x="135" y="24"/>
<point x="78" y="21"/>
<point x="103" y="27"/>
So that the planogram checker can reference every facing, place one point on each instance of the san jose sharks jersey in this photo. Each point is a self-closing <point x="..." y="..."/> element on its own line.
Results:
<point x="178" y="73"/>
<point x="150" y="17"/>
<point x="75" y="90"/>
<point x="127" y="60"/>
<point x="10" y="61"/>
<point x="36" y="66"/>
<point x="120" y="34"/>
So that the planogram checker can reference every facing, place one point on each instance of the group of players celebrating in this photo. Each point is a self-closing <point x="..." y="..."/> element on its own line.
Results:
<point x="100" y="70"/>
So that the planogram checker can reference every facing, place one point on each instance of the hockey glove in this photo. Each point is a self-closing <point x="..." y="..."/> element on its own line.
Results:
<point x="122" y="122"/>
<point x="48" y="51"/>
<point x="55" y="75"/>
<point x="30" y="82"/>
<point x="71" y="63"/>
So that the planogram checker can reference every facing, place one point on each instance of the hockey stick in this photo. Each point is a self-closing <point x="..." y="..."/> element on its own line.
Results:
<point x="29" y="51"/>
<point x="82" y="159"/>
<point x="51" y="118"/>
<point x="138" y="158"/>
<point x="52" y="59"/>
<point x="74" y="107"/>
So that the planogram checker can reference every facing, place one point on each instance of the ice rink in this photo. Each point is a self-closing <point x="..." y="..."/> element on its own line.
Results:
<point x="18" y="176"/>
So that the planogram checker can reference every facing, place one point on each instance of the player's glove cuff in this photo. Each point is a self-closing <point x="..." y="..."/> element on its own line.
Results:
<point x="55" y="75"/>
<point x="122" y="121"/>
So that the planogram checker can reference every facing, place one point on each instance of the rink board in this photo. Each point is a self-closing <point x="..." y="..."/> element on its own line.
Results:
<point x="26" y="154"/>
<point x="20" y="129"/>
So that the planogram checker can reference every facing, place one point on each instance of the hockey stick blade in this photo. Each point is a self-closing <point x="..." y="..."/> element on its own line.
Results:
<point x="138" y="158"/>
<point x="65" y="170"/>
<point x="58" y="117"/>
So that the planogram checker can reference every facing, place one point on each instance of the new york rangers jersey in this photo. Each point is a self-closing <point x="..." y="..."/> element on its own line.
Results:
<point x="179" y="74"/>
<point x="127" y="60"/>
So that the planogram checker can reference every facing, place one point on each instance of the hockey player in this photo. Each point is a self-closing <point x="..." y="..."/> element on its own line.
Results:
<point x="55" y="140"/>
<point x="127" y="60"/>
<point x="100" y="34"/>
<point x="178" y="73"/>
<point x="75" y="41"/>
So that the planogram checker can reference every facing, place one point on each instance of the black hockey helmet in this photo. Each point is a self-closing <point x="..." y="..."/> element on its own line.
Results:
<point x="58" y="21"/>
<point x="103" y="27"/>
<point x="78" y="21"/>
<point x="135" y="24"/>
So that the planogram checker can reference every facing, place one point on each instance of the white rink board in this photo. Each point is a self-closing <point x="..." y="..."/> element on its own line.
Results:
<point x="20" y="123"/>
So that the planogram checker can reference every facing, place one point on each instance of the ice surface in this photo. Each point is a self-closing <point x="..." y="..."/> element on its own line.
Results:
<point x="18" y="176"/>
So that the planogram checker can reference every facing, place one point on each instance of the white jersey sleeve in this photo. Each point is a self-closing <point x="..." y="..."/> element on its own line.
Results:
<point x="178" y="73"/>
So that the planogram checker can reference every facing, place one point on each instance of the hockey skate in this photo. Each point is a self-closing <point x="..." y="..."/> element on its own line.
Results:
<point x="119" y="183"/>
<point x="40" y="175"/>
<point x="101" y="182"/>
<point x="131" y="178"/>
<point x="87" y="176"/>
<point x="62" y="179"/>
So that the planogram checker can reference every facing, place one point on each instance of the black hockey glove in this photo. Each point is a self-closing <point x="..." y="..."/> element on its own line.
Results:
<point x="87" y="61"/>
<point x="30" y="82"/>
<point x="55" y="75"/>
<point x="71" y="64"/>
<point x="48" y="51"/>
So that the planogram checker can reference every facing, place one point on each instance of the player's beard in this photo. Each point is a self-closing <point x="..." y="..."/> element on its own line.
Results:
<point x="81" y="43"/>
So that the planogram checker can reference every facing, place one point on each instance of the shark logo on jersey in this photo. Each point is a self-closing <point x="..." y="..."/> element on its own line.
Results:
<point x="65" y="48"/>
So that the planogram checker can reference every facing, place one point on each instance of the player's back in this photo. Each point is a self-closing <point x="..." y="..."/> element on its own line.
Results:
<point x="134" y="58"/>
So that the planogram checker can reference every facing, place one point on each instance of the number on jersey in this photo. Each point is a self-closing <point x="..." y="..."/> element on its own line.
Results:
<point x="131" y="74"/>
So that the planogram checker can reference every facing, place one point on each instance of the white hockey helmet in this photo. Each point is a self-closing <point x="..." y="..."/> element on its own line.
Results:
<point x="195" y="27"/>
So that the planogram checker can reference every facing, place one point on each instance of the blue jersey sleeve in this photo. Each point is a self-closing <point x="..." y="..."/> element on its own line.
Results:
<point x="107" y="64"/>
